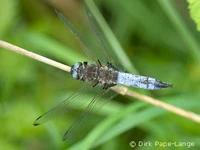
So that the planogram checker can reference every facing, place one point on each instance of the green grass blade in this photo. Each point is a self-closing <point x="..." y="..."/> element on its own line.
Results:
<point x="179" y="24"/>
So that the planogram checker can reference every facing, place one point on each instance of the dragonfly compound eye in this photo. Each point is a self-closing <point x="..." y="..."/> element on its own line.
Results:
<point x="76" y="69"/>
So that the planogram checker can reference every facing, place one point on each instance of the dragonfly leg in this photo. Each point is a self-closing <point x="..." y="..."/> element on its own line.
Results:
<point x="105" y="86"/>
<point x="109" y="65"/>
<point x="85" y="63"/>
<point x="95" y="83"/>
<point x="82" y="79"/>
<point x="99" y="62"/>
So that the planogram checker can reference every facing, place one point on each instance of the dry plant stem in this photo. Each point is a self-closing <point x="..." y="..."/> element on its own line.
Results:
<point x="32" y="55"/>
<point x="187" y="114"/>
<point x="119" y="89"/>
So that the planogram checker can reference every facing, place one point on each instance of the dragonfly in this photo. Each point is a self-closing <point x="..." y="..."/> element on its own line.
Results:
<point x="104" y="76"/>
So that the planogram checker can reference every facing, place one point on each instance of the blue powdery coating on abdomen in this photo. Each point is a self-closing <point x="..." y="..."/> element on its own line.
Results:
<point x="136" y="81"/>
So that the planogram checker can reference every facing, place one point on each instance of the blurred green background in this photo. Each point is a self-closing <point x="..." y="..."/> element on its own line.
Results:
<point x="158" y="37"/>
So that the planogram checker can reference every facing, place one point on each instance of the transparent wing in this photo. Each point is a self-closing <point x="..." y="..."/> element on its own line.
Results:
<point x="100" y="40"/>
<point x="95" y="51"/>
<point x="105" y="48"/>
<point x="63" y="107"/>
<point x="82" y="40"/>
<point x="85" y="122"/>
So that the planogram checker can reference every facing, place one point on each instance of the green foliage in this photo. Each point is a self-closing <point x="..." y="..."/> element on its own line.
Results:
<point x="158" y="41"/>
<point x="194" y="6"/>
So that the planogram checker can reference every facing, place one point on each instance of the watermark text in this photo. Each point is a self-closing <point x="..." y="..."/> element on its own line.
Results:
<point x="161" y="144"/>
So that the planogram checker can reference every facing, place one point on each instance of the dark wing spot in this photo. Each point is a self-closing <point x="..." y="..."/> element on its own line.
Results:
<point x="35" y="122"/>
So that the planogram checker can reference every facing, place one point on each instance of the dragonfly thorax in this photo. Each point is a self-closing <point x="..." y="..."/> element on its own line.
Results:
<point x="96" y="73"/>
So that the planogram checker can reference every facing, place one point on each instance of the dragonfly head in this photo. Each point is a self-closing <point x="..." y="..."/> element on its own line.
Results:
<point x="76" y="70"/>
